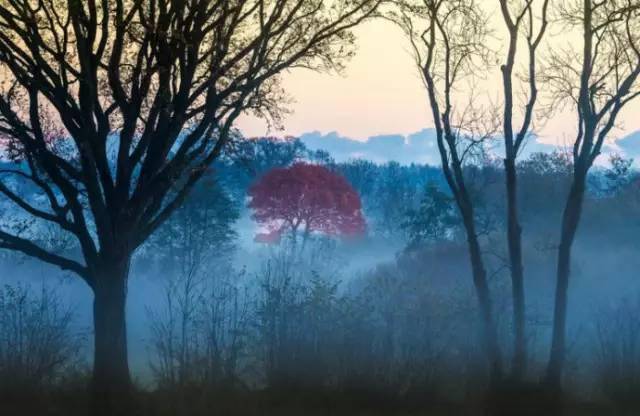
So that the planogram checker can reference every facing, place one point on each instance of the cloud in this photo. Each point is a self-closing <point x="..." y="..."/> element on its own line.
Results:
<point x="419" y="147"/>
<point x="630" y="145"/>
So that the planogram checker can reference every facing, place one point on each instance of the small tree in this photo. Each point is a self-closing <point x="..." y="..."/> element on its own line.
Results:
<point x="306" y="198"/>
<point x="434" y="221"/>
<point x="192" y="334"/>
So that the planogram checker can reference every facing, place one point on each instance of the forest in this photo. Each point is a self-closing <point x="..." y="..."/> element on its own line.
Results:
<point x="381" y="318"/>
<point x="156" y="259"/>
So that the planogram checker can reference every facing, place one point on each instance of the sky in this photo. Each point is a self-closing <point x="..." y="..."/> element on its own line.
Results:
<point x="381" y="93"/>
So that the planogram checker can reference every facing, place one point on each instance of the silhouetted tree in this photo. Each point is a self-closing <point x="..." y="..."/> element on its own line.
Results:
<point x="600" y="81"/>
<point x="146" y="93"/>
<point x="449" y="39"/>
<point x="520" y="20"/>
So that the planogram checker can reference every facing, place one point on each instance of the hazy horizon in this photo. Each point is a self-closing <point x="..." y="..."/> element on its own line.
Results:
<point x="362" y="102"/>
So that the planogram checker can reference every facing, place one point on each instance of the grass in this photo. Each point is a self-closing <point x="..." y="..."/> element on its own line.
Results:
<point x="283" y="403"/>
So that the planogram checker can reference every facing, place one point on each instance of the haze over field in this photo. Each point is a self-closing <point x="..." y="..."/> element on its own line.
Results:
<point x="319" y="207"/>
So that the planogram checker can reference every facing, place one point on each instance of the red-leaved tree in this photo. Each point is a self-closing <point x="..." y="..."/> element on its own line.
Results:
<point x="306" y="199"/>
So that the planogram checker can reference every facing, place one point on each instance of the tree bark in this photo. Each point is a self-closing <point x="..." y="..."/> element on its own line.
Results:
<point x="514" y="232"/>
<point x="111" y="382"/>
<point x="570" y="221"/>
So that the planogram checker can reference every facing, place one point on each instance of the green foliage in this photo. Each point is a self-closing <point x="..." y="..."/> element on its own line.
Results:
<point x="435" y="219"/>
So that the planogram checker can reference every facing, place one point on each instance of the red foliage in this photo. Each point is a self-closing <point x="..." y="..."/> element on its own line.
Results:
<point x="308" y="198"/>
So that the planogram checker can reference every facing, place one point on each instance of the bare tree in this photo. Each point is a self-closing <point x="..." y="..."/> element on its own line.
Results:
<point x="145" y="94"/>
<point x="520" y="20"/>
<point x="198" y="335"/>
<point x="194" y="336"/>
<point x="449" y="38"/>
<point x="600" y="80"/>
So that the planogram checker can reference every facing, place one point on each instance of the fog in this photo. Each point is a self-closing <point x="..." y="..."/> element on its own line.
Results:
<point x="391" y="309"/>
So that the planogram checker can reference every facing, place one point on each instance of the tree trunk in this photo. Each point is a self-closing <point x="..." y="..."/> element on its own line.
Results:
<point x="514" y="237"/>
<point x="111" y="383"/>
<point x="570" y="221"/>
<point x="489" y="331"/>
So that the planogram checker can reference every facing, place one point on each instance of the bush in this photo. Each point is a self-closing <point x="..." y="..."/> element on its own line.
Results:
<point x="618" y="353"/>
<point x="38" y="348"/>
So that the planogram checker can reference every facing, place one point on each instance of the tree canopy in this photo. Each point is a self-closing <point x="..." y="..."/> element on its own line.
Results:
<point x="307" y="198"/>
